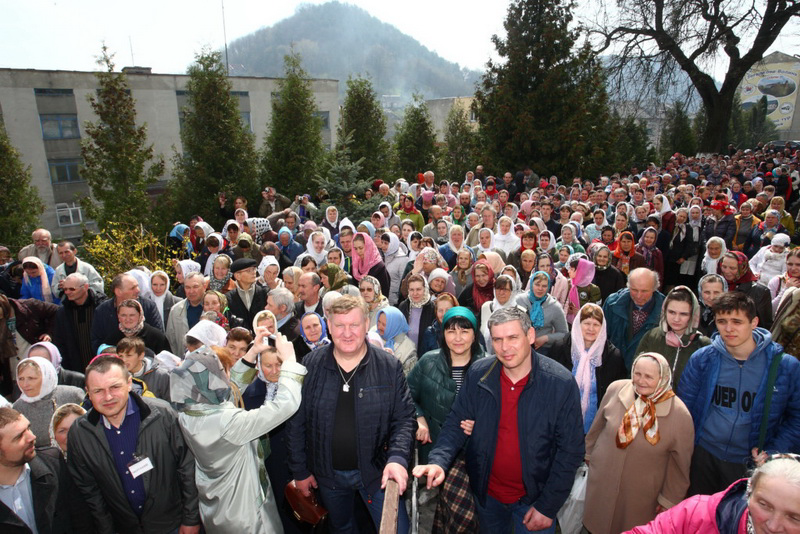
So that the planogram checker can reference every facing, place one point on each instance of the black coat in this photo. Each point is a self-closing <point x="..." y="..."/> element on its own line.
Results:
<point x="240" y="312"/>
<point x="154" y="339"/>
<point x="64" y="333"/>
<point x="609" y="280"/>
<point x="427" y="317"/>
<point x="763" y="299"/>
<point x="612" y="368"/>
<point x="172" y="498"/>
<point x="105" y="321"/>
<point x="50" y="508"/>
<point x="385" y="417"/>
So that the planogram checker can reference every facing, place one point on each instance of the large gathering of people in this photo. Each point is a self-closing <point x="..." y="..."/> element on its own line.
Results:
<point x="487" y="339"/>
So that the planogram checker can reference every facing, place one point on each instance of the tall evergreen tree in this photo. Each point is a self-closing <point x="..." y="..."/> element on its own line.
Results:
<point x="677" y="134"/>
<point x="219" y="153"/>
<point x="362" y="119"/>
<point x="293" y="149"/>
<point x="632" y="144"/>
<point x="544" y="103"/>
<point x="415" y="141"/>
<point x="22" y="206"/>
<point x="118" y="164"/>
<point x="460" y="138"/>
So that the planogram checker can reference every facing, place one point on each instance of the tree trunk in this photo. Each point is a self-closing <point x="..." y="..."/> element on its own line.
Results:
<point x="718" y="116"/>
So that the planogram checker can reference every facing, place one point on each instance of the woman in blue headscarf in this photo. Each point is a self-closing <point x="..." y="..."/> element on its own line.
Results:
<point x="179" y="242"/>
<point x="393" y="329"/>
<point x="289" y="248"/>
<point x="547" y="315"/>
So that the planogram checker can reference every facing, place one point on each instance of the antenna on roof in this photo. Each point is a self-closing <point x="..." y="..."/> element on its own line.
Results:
<point x="225" y="37"/>
<point x="130" y="44"/>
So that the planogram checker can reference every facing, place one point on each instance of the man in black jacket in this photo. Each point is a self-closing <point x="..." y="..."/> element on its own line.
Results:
<point x="354" y="429"/>
<point x="30" y="489"/>
<point x="247" y="298"/>
<point x="128" y="458"/>
<point x="73" y="322"/>
<point x="105" y="321"/>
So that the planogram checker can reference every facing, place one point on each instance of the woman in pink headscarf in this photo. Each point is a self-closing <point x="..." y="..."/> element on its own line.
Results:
<point x="581" y="289"/>
<point x="367" y="261"/>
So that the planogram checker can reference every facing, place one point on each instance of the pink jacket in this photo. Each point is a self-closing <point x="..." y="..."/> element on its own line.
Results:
<point x="698" y="514"/>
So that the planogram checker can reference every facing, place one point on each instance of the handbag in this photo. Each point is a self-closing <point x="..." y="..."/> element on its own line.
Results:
<point x="570" y="516"/>
<point x="305" y="508"/>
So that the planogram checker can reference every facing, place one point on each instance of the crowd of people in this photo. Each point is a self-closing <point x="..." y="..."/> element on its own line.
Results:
<point x="488" y="336"/>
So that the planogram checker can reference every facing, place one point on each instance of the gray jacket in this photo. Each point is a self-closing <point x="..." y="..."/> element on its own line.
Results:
<point x="555" y="321"/>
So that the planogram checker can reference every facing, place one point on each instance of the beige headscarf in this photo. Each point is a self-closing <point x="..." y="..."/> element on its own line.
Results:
<point x="642" y="413"/>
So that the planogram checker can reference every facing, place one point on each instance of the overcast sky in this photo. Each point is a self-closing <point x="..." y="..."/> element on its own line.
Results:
<point x="166" y="34"/>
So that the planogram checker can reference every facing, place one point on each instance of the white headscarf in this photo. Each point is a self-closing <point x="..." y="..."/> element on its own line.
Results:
<point x="49" y="378"/>
<point x="709" y="264"/>
<point x="508" y="242"/>
<point x="143" y="279"/>
<point x="208" y="333"/>
<point x="213" y="256"/>
<point x="480" y="248"/>
<point x="321" y="257"/>
<point x="159" y="301"/>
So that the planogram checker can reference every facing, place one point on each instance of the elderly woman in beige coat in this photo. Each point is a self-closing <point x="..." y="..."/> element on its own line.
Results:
<point x="638" y="448"/>
<point x="235" y="493"/>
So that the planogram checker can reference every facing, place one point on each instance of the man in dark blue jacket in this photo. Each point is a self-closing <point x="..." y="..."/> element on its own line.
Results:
<point x="527" y="440"/>
<point x="724" y="387"/>
<point x="355" y="427"/>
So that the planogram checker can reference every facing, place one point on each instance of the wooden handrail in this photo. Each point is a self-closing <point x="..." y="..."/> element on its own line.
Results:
<point x="391" y="502"/>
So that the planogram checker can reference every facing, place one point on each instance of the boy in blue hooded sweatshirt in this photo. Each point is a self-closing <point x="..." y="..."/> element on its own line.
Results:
<point x="724" y="386"/>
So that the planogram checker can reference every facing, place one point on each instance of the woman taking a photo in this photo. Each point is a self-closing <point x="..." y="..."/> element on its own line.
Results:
<point x="594" y="361"/>
<point x="641" y="445"/>
<point x="547" y="315"/>
<point x="434" y="383"/>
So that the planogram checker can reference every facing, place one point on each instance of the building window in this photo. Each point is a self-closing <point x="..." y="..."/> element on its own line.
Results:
<point x="325" y="119"/>
<point x="52" y="92"/>
<point x="68" y="215"/>
<point x="473" y="117"/>
<point x="64" y="171"/>
<point x="60" y="126"/>
<point x="244" y="116"/>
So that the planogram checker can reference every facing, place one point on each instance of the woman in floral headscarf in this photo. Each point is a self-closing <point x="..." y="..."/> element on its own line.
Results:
<point x="641" y="427"/>
<point x="333" y="277"/>
<point x="735" y="268"/>
<point x="418" y="307"/>
<point x="370" y="290"/>
<point x="234" y="497"/>
<point x="653" y="257"/>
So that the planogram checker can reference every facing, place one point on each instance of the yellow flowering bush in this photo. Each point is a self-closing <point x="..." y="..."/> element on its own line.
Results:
<point x="122" y="247"/>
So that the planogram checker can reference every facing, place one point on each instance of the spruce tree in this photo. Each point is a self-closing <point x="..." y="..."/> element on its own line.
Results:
<point x="118" y="164"/>
<point x="293" y="150"/>
<point x="459" y="151"/>
<point x="543" y="104"/>
<point x="415" y="141"/>
<point x="219" y="154"/>
<point x="677" y="134"/>
<point x="362" y="119"/>
<point x="343" y="179"/>
<point x="22" y="206"/>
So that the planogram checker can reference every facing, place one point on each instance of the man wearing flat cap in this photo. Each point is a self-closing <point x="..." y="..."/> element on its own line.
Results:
<point x="247" y="298"/>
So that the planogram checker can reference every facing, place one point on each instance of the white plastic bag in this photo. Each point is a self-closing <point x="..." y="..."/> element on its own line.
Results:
<point x="570" y="517"/>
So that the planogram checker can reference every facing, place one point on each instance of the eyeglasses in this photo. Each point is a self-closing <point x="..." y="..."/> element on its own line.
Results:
<point x="69" y="289"/>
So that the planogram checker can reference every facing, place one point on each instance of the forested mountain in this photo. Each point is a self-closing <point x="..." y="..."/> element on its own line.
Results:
<point x="337" y="40"/>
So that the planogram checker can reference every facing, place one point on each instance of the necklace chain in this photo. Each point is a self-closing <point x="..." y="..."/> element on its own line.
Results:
<point x="346" y="385"/>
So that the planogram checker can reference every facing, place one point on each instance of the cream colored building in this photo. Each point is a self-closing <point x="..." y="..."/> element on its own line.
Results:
<point x="44" y="112"/>
<point x="439" y="108"/>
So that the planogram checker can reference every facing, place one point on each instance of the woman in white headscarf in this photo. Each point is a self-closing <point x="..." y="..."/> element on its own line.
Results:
<point x="161" y="295"/>
<point x="40" y="395"/>
<point x="331" y="221"/>
<point x="664" y="209"/>
<point x="715" y="250"/>
<point x="315" y="248"/>
<point x="505" y="239"/>
<point x="395" y="260"/>
<point x="142" y="275"/>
